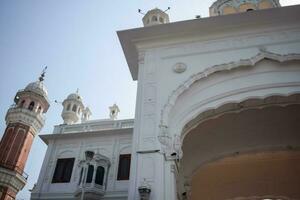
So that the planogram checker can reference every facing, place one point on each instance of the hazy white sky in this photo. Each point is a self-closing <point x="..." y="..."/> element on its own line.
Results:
<point x="77" y="40"/>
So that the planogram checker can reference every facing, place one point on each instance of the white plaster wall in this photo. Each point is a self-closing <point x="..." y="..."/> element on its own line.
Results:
<point x="160" y="99"/>
<point x="110" y="145"/>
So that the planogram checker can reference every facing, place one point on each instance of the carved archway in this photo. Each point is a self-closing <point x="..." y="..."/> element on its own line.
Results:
<point x="178" y="117"/>
<point x="263" y="54"/>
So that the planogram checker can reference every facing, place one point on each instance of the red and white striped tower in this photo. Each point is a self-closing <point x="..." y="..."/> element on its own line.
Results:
<point x="24" y="120"/>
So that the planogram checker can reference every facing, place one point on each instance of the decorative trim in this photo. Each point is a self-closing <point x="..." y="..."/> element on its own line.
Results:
<point x="179" y="68"/>
<point x="24" y="116"/>
<point x="11" y="179"/>
<point x="263" y="54"/>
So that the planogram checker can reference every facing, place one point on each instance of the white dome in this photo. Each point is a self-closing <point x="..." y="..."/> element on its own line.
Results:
<point x="74" y="96"/>
<point x="38" y="88"/>
<point x="155" y="17"/>
<point x="224" y="7"/>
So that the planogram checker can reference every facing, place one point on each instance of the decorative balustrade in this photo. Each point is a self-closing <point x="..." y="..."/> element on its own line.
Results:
<point x="14" y="168"/>
<point x="95" y="125"/>
<point x="15" y="109"/>
<point x="91" y="191"/>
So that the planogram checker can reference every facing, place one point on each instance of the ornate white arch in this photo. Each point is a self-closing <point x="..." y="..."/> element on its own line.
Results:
<point x="263" y="54"/>
<point x="172" y="142"/>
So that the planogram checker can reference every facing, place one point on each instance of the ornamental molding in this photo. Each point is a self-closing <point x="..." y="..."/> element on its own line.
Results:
<point x="25" y="116"/>
<point x="263" y="54"/>
<point x="179" y="68"/>
<point x="12" y="179"/>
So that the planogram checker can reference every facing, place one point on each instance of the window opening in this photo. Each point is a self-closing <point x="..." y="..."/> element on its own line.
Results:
<point x="90" y="173"/>
<point x="100" y="175"/>
<point x="63" y="170"/>
<point x="154" y="19"/>
<point x="31" y="105"/>
<point x="74" y="108"/>
<point x="124" y="167"/>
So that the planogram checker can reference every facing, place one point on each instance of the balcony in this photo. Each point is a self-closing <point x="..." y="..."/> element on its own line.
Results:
<point x="12" y="176"/>
<point x="26" y="116"/>
<point x="14" y="168"/>
<point x="91" y="191"/>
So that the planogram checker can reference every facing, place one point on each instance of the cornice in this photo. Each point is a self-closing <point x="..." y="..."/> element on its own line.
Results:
<point x="129" y="39"/>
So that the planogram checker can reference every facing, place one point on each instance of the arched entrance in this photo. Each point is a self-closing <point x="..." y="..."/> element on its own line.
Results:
<point x="242" y="154"/>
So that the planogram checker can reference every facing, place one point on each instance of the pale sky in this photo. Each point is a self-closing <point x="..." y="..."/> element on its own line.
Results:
<point x="77" y="40"/>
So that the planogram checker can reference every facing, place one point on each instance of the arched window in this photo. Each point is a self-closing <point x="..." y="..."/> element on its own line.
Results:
<point x="74" y="108"/>
<point x="100" y="175"/>
<point x="69" y="107"/>
<point x="40" y="109"/>
<point x="31" y="105"/>
<point x="90" y="173"/>
<point x="250" y="9"/>
<point x="161" y="20"/>
<point x="80" y="177"/>
<point x="154" y="19"/>
<point x="22" y="103"/>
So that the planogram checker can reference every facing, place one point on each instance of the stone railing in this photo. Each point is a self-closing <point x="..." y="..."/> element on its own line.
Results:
<point x="33" y="119"/>
<point x="90" y="190"/>
<point x="94" y="125"/>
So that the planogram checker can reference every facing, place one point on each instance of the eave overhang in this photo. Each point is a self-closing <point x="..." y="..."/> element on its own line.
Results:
<point x="129" y="39"/>
<point x="48" y="137"/>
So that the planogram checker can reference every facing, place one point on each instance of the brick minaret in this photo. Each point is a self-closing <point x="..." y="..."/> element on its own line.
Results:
<point x="24" y="120"/>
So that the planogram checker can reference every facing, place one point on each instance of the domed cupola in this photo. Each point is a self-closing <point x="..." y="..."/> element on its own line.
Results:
<point x="224" y="7"/>
<point x="38" y="88"/>
<point x="72" y="108"/>
<point x="155" y="17"/>
<point x="33" y="102"/>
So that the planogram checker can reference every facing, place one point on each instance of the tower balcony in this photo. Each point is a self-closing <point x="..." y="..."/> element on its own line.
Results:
<point x="28" y="117"/>
<point x="12" y="177"/>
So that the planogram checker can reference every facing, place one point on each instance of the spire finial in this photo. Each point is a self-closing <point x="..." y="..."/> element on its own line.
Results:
<point x="77" y="91"/>
<point x="41" y="78"/>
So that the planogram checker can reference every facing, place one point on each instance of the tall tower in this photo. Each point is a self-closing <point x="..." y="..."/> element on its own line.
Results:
<point x="24" y="120"/>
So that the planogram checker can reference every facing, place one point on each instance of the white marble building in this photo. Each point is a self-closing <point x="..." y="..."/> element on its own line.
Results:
<point x="217" y="112"/>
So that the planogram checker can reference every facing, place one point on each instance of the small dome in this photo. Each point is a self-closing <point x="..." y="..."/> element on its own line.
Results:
<point x="74" y="96"/>
<point x="155" y="17"/>
<point x="224" y="7"/>
<point x="37" y="87"/>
